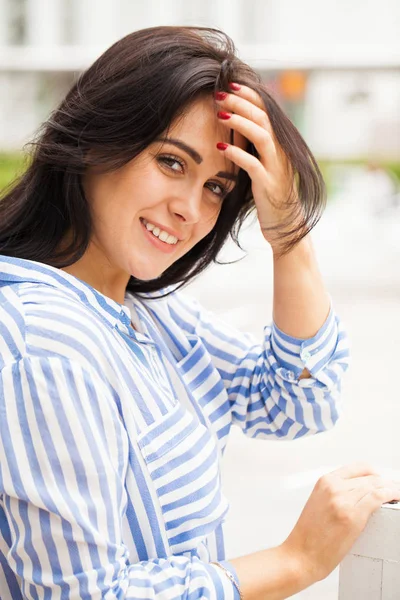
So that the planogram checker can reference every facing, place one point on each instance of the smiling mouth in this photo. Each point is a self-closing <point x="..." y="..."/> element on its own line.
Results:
<point x="160" y="234"/>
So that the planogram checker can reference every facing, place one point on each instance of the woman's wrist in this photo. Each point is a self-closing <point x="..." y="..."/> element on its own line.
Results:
<point x="303" y="572"/>
<point x="273" y="574"/>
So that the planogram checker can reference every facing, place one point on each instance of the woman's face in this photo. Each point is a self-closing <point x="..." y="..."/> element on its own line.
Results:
<point x="153" y="210"/>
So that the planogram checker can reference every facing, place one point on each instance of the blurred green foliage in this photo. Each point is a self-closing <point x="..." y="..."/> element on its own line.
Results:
<point x="395" y="168"/>
<point x="330" y="170"/>
<point x="12" y="165"/>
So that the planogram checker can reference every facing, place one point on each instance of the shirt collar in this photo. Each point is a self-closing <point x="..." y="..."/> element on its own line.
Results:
<point x="18" y="270"/>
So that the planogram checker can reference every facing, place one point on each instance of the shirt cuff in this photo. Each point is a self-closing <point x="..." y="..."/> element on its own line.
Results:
<point x="296" y="354"/>
<point x="229" y="567"/>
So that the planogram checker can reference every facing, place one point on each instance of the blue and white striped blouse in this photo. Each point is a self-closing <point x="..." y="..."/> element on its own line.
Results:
<point x="111" y="438"/>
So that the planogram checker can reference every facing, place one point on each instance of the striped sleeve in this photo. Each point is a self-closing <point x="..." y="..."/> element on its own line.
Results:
<point x="295" y="354"/>
<point x="63" y="457"/>
<point x="267" y="398"/>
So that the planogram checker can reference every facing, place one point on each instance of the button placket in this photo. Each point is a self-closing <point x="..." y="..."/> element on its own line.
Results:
<point x="305" y="355"/>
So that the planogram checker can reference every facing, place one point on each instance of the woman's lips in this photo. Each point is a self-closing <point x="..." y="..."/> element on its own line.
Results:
<point x="163" y="246"/>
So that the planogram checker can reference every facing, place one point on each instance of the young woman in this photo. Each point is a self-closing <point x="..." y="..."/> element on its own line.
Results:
<point x="117" y="392"/>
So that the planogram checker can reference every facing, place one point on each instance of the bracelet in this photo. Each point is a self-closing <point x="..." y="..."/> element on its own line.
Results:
<point x="231" y="577"/>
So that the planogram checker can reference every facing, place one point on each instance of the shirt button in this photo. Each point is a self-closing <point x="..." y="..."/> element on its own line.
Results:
<point x="290" y="375"/>
<point x="305" y="355"/>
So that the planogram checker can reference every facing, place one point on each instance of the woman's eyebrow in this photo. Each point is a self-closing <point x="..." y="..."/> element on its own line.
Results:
<point x="195" y="155"/>
<point x="227" y="175"/>
<point x="188" y="149"/>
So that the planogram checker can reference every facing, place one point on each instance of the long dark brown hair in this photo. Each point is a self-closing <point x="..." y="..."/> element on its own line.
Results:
<point x="116" y="109"/>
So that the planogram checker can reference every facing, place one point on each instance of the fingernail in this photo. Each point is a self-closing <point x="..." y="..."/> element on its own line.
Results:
<point x="222" y="146"/>
<point x="220" y="95"/>
<point x="223" y="115"/>
<point x="234" y="86"/>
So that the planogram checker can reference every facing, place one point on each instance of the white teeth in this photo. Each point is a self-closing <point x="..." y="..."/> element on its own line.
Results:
<point x="164" y="236"/>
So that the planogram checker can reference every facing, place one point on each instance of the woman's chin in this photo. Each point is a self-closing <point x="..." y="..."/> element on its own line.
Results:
<point x="146" y="274"/>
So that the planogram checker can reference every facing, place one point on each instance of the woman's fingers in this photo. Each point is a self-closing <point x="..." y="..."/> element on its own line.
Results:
<point x="251" y="110"/>
<point x="244" y="161"/>
<point x="358" y="469"/>
<point x="368" y="480"/>
<point x="370" y="496"/>
<point x="242" y="91"/>
<point x="244" y="111"/>
<point x="270" y="184"/>
<point x="259" y="136"/>
<point x="350" y="484"/>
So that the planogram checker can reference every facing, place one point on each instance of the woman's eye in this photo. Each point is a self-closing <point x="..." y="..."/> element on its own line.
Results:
<point x="172" y="163"/>
<point x="217" y="189"/>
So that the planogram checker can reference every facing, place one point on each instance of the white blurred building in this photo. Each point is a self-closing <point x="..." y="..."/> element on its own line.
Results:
<point x="350" y="52"/>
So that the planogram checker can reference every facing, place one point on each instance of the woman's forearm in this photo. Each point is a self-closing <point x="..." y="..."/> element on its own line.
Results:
<point x="272" y="574"/>
<point x="301" y="302"/>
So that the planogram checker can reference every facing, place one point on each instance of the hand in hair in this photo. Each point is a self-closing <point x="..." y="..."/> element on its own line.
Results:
<point x="273" y="180"/>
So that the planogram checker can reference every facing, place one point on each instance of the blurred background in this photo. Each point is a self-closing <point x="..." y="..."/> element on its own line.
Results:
<point x="334" y="66"/>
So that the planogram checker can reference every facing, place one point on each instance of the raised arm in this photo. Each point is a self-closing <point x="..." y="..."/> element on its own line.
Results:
<point x="266" y="395"/>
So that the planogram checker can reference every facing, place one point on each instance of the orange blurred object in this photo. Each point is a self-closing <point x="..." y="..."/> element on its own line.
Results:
<point x="292" y="84"/>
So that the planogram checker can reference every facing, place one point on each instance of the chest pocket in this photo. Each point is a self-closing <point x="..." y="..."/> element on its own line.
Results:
<point x="182" y="460"/>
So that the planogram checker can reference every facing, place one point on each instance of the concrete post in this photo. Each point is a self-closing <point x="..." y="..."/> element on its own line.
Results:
<point x="371" y="571"/>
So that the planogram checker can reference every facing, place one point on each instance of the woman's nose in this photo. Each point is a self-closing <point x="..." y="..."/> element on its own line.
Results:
<point x="188" y="206"/>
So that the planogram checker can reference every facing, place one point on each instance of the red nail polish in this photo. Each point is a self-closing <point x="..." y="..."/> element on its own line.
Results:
<point x="234" y="86"/>
<point x="222" y="146"/>
<point x="223" y="115"/>
<point x="220" y="95"/>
